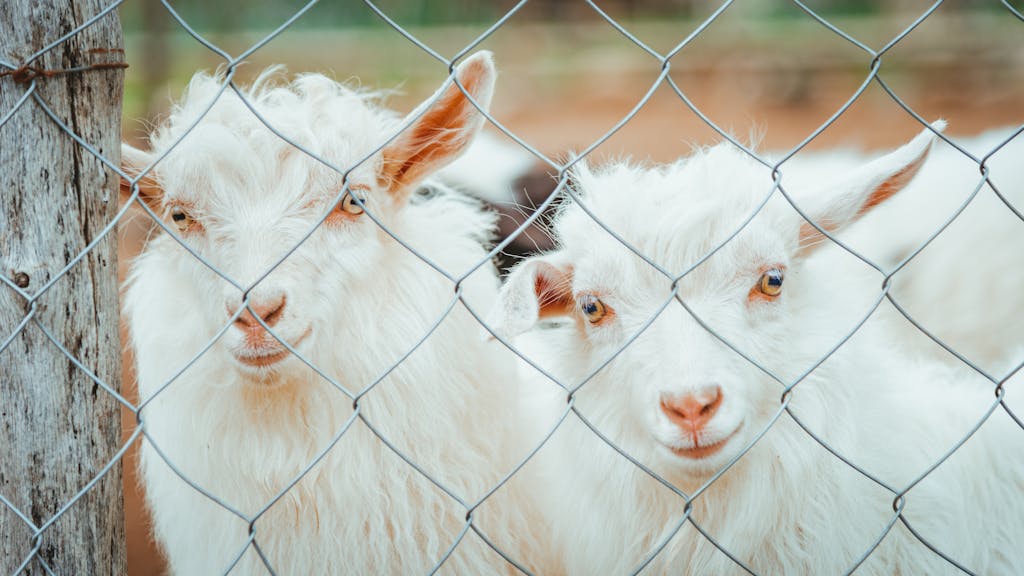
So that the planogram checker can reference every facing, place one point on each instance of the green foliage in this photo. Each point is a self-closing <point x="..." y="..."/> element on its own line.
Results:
<point x="223" y="16"/>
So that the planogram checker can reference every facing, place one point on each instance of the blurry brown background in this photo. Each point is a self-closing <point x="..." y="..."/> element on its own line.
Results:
<point x="567" y="76"/>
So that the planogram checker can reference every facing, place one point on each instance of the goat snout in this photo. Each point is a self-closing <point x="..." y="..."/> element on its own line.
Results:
<point x="692" y="412"/>
<point x="269" y="310"/>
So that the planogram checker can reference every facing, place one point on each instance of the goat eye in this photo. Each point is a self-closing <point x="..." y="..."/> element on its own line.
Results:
<point x="770" y="283"/>
<point x="592" y="307"/>
<point x="183" y="221"/>
<point x="349" y="205"/>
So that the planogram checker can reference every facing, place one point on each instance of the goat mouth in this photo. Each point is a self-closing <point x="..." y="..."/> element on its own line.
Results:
<point x="701" y="451"/>
<point x="264" y="360"/>
<point x="265" y="357"/>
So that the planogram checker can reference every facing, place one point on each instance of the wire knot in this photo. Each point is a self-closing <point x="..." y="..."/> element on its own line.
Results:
<point x="24" y="75"/>
<point x="29" y="73"/>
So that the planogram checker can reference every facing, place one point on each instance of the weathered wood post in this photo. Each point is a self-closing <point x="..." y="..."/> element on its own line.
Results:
<point x="58" y="428"/>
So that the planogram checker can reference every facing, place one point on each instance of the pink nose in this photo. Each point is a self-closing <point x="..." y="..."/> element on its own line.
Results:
<point x="693" y="411"/>
<point x="269" y="311"/>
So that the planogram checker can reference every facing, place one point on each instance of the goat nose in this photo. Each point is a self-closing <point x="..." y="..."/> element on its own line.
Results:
<point x="269" y="310"/>
<point x="693" y="411"/>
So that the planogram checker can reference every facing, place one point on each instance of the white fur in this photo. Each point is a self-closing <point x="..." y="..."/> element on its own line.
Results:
<point x="243" y="434"/>
<point x="788" y="506"/>
<point x="966" y="287"/>
<point x="489" y="168"/>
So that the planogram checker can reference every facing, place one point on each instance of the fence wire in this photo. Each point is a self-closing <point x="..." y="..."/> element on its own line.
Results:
<point x="26" y="76"/>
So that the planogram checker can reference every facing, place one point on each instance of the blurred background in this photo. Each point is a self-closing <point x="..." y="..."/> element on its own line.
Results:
<point x="764" y="70"/>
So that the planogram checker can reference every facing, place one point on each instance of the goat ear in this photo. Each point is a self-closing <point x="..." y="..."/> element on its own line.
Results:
<point x="870" y="185"/>
<point x="537" y="288"/>
<point x="443" y="127"/>
<point x="134" y="161"/>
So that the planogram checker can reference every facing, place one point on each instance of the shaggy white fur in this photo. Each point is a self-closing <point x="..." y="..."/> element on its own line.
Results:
<point x="787" y="506"/>
<point x="966" y="287"/>
<point x="242" y="423"/>
<point x="489" y="168"/>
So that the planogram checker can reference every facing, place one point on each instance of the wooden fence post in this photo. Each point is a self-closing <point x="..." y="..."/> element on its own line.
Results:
<point x="59" y="428"/>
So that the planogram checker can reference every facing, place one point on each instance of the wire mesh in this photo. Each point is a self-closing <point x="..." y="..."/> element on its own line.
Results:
<point x="25" y="76"/>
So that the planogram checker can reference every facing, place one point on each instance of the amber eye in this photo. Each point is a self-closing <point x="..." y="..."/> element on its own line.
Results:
<point x="183" y="221"/>
<point x="593" y="309"/>
<point x="770" y="283"/>
<point x="349" y="205"/>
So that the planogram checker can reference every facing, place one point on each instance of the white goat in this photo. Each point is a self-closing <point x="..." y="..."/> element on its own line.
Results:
<point x="685" y="405"/>
<point x="977" y="311"/>
<point x="248" y="417"/>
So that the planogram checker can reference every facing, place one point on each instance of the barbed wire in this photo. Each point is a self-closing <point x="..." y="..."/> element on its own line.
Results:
<point x="27" y="76"/>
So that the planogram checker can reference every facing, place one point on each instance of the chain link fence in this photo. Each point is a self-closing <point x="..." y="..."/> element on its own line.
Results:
<point x="25" y="75"/>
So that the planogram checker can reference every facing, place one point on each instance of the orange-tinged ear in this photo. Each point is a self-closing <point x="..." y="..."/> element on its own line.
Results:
<point x="134" y="161"/>
<point x="843" y="203"/>
<point x="539" y="287"/>
<point x="442" y="127"/>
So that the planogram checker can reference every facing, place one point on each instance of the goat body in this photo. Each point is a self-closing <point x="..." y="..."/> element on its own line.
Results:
<point x="247" y="418"/>
<point x="746" y="350"/>
<point x="967" y="286"/>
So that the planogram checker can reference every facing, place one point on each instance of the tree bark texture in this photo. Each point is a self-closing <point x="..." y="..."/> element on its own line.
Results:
<point x="58" y="428"/>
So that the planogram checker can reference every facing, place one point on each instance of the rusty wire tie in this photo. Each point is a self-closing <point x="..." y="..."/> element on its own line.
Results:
<point x="29" y="73"/>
